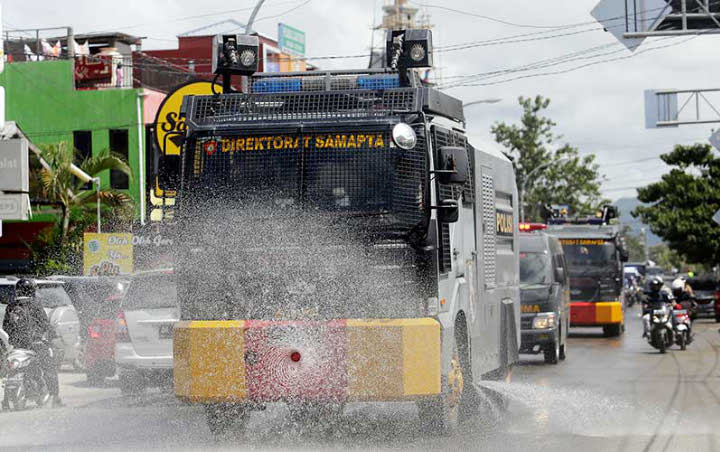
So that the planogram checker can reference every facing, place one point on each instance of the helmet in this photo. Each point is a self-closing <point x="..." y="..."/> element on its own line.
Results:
<point x="691" y="274"/>
<point x="678" y="284"/>
<point x="25" y="288"/>
<point x="655" y="284"/>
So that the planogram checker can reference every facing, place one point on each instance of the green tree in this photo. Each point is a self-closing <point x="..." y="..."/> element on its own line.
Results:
<point x="634" y="244"/>
<point x="58" y="248"/>
<point x="60" y="185"/>
<point x="531" y="144"/>
<point x="682" y="203"/>
<point x="666" y="258"/>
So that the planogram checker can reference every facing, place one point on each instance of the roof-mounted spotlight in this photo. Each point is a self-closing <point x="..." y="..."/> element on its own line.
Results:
<point x="409" y="49"/>
<point x="235" y="54"/>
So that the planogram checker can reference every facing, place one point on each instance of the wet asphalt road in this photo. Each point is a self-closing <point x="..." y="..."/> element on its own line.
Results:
<point x="610" y="394"/>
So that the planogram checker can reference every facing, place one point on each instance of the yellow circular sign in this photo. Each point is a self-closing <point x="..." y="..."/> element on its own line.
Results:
<point x="169" y="127"/>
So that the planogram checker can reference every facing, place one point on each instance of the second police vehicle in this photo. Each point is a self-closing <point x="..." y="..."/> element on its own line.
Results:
<point x="595" y="253"/>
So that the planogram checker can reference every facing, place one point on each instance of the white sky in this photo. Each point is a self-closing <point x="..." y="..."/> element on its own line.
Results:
<point x="599" y="108"/>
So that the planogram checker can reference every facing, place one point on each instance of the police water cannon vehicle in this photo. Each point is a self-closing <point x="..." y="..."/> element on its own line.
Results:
<point x="338" y="239"/>
<point x="595" y="252"/>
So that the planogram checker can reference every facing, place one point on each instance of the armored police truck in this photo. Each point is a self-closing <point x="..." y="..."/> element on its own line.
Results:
<point x="338" y="239"/>
<point x="595" y="253"/>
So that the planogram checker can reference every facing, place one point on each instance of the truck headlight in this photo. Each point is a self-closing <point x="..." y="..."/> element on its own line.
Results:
<point x="544" y="320"/>
<point x="404" y="136"/>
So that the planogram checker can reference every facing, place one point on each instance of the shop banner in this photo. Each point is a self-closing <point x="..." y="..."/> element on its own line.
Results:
<point x="107" y="254"/>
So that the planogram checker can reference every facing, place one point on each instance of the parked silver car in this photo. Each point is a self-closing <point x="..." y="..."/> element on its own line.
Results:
<point x="144" y="332"/>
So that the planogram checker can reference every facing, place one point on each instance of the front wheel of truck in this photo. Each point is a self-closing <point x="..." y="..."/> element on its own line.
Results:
<point x="441" y="416"/>
<point x="222" y="417"/>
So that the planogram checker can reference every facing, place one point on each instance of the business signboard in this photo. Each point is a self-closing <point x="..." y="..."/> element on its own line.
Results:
<point x="291" y="40"/>
<point x="15" y="206"/>
<point x="107" y="254"/>
<point x="14" y="169"/>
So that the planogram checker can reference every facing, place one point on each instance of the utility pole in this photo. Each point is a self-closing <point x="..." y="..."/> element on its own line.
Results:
<point x="248" y="27"/>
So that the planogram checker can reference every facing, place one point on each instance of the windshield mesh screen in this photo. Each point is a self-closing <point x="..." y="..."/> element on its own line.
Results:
<point x="359" y="173"/>
<point x="233" y="108"/>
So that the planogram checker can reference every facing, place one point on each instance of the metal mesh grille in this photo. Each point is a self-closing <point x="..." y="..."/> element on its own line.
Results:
<point x="488" y="199"/>
<point x="526" y="323"/>
<point x="445" y="259"/>
<point x="314" y="171"/>
<point x="234" y="108"/>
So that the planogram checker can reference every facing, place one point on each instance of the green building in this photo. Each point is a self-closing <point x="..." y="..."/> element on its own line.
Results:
<point x="42" y="99"/>
<point x="92" y="104"/>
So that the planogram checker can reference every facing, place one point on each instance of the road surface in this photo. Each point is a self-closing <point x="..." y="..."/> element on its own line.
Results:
<point x="610" y="394"/>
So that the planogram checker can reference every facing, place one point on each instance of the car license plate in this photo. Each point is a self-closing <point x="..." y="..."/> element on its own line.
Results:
<point x="166" y="331"/>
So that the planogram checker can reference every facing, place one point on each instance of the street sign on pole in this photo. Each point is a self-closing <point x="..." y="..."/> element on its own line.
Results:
<point x="291" y="40"/>
<point x="716" y="217"/>
<point x="715" y="139"/>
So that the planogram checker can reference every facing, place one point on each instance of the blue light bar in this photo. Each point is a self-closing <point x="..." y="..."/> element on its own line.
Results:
<point x="378" y="81"/>
<point x="277" y="85"/>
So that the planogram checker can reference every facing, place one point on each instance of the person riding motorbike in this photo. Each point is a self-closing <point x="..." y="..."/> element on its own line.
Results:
<point x="655" y="299"/>
<point x="682" y="292"/>
<point x="28" y="327"/>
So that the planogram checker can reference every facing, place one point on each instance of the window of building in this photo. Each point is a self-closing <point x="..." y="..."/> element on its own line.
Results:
<point x="119" y="147"/>
<point x="82" y="144"/>
<point x="82" y="149"/>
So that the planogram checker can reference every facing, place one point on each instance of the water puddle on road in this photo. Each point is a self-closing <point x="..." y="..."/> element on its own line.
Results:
<point x="543" y="409"/>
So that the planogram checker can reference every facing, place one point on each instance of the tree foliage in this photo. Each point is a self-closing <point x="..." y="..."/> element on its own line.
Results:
<point x="666" y="258"/>
<point x="59" y="248"/>
<point x="682" y="203"/>
<point x="532" y="144"/>
<point x="634" y="244"/>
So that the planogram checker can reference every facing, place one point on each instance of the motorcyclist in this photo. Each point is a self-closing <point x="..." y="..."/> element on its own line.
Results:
<point x="28" y="327"/>
<point x="656" y="298"/>
<point x="683" y="295"/>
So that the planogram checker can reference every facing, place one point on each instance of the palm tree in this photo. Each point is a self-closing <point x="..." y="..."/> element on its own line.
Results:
<point x="60" y="185"/>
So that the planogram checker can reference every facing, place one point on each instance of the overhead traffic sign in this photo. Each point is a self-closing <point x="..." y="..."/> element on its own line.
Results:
<point x="621" y="17"/>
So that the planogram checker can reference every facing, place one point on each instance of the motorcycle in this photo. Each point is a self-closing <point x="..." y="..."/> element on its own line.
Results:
<point x="25" y="380"/>
<point x="659" y="325"/>
<point x="682" y="328"/>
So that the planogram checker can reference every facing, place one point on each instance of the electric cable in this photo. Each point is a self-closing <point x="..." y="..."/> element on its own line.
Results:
<point x="564" y="71"/>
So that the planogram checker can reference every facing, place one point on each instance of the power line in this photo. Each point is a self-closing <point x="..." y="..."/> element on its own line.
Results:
<point x="195" y="16"/>
<point x="551" y="27"/>
<point x="500" y="21"/>
<point x="629" y="162"/>
<point x="572" y="69"/>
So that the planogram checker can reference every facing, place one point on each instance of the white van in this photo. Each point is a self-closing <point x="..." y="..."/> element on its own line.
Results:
<point x="144" y="333"/>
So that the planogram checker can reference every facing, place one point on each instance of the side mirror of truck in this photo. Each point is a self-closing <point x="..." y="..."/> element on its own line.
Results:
<point x="448" y="211"/>
<point x="453" y="165"/>
<point x="624" y="255"/>
<point x="169" y="172"/>
<point x="559" y="275"/>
